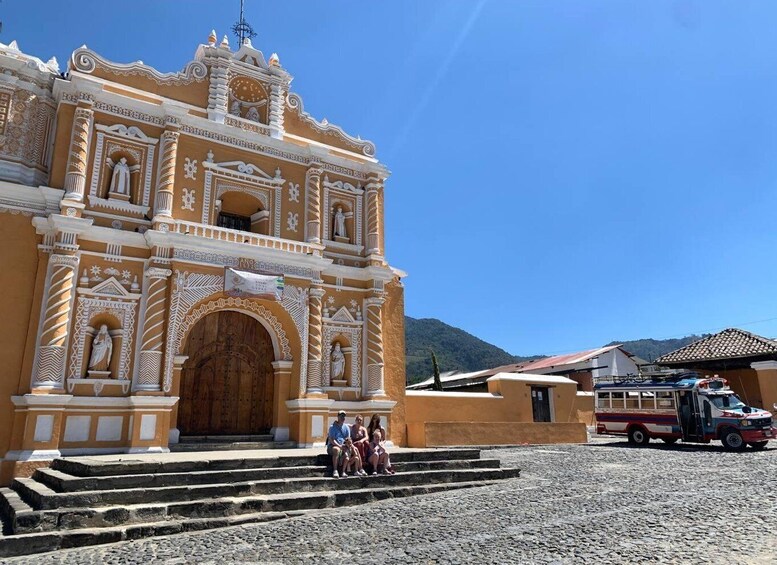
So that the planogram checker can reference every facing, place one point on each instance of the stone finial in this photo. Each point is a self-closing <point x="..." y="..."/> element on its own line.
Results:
<point x="247" y="42"/>
<point x="274" y="61"/>
<point x="225" y="43"/>
<point x="14" y="46"/>
<point x="53" y="64"/>
<point x="212" y="37"/>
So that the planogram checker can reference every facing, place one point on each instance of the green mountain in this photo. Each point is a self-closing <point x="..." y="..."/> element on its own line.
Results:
<point x="650" y="349"/>
<point x="457" y="350"/>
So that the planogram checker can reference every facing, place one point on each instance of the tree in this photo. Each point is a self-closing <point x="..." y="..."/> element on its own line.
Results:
<point x="437" y="382"/>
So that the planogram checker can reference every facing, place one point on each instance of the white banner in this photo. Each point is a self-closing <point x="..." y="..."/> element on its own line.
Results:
<point x="243" y="283"/>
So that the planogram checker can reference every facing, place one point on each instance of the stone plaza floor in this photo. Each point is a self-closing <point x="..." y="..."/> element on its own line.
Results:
<point x="604" y="502"/>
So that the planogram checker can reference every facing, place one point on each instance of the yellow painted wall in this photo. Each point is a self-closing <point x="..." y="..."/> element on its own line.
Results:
<point x="441" y="418"/>
<point x="19" y="254"/>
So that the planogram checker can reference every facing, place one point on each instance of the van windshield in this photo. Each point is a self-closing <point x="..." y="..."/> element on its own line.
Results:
<point x="726" y="401"/>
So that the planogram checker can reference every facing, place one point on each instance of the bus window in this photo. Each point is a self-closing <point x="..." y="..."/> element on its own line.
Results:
<point x="647" y="400"/>
<point x="617" y="400"/>
<point x="602" y="399"/>
<point x="632" y="400"/>
<point x="665" y="399"/>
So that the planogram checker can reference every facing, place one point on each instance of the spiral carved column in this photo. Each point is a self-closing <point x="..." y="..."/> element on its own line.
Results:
<point x="276" y="110"/>
<point x="373" y="307"/>
<point x="75" y="178"/>
<point x="50" y="371"/>
<point x="373" y="214"/>
<point x="315" y="330"/>
<point x="313" y="192"/>
<point x="166" y="176"/>
<point x="150" y="372"/>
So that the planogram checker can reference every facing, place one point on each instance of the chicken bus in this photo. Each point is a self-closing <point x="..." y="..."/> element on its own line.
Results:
<point x="686" y="408"/>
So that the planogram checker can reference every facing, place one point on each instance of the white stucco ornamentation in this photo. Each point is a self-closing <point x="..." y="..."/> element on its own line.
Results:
<point x="293" y="192"/>
<point x="188" y="199"/>
<point x="292" y="221"/>
<point x="190" y="168"/>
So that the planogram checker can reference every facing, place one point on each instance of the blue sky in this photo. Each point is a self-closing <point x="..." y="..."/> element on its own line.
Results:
<point x="565" y="173"/>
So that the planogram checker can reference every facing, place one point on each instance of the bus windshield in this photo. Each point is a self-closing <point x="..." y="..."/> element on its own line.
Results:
<point x="726" y="401"/>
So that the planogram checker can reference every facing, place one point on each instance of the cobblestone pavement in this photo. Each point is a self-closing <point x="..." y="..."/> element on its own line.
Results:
<point x="599" y="503"/>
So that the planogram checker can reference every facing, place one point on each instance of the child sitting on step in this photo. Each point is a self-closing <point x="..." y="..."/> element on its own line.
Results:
<point x="350" y="460"/>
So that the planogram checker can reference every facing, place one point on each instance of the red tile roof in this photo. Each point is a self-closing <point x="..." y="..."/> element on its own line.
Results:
<point x="728" y="344"/>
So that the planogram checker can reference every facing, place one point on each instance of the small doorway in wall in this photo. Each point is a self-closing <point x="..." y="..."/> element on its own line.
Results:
<point x="540" y="403"/>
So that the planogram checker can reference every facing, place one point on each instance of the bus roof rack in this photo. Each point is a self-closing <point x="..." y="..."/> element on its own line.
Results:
<point x="622" y="379"/>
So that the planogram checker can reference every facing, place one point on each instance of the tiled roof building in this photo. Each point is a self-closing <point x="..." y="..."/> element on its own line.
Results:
<point x="731" y="343"/>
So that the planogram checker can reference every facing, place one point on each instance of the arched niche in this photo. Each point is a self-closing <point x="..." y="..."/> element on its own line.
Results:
<point x="344" y="207"/>
<point x="248" y="99"/>
<point x="116" y="333"/>
<point x="244" y="211"/>
<point x="112" y="186"/>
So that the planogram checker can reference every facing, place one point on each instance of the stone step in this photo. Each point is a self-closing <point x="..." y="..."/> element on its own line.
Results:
<point x="41" y="497"/>
<point x="100" y="521"/>
<point x="64" y="482"/>
<point x="226" y="439"/>
<point x="91" y="467"/>
<point x="235" y="446"/>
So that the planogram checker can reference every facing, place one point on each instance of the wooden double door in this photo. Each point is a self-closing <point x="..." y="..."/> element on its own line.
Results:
<point x="227" y="381"/>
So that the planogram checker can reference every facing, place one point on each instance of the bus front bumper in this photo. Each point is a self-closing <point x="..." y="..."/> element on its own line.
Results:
<point x="759" y="435"/>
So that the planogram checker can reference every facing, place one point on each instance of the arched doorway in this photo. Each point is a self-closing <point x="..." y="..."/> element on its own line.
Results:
<point x="227" y="381"/>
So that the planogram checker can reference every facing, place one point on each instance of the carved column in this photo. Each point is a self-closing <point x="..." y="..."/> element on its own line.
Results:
<point x="75" y="177"/>
<point x="313" y="198"/>
<point x="374" y="185"/>
<point x="151" y="351"/>
<point x="166" y="175"/>
<point x="218" y="91"/>
<point x="373" y="307"/>
<point x="276" y="111"/>
<point x="315" y="330"/>
<point x="55" y="326"/>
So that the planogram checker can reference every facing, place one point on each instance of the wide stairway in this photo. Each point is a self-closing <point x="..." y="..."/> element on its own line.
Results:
<point x="229" y="443"/>
<point x="88" y="500"/>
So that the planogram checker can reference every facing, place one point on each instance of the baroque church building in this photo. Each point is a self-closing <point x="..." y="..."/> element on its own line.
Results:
<point x="185" y="254"/>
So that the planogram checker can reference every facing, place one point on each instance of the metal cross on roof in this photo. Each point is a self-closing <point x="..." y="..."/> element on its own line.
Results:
<point x="242" y="29"/>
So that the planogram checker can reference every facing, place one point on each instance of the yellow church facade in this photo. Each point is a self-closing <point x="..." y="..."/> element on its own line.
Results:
<point x="140" y="211"/>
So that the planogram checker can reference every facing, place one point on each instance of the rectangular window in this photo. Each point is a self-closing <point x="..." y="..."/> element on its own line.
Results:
<point x="665" y="399"/>
<point x="632" y="400"/>
<point x="617" y="400"/>
<point x="602" y="399"/>
<point x="234" y="222"/>
<point x="647" y="400"/>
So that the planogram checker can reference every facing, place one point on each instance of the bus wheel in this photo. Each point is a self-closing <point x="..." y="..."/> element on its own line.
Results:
<point x="732" y="440"/>
<point x="638" y="436"/>
<point x="669" y="440"/>
<point x="758" y="445"/>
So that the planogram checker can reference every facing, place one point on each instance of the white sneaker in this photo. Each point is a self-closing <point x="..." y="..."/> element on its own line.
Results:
<point x="374" y="473"/>
<point x="335" y="475"/>
<point x="362" y="473"/>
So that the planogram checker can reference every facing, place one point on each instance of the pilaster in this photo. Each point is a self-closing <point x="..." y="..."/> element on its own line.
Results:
<point x="78" y="154"/>
<point x="374" y="306"/>
<point x="313" y="204"/>
<point x="373" y="188"/>
<point x="315" y="329"/>
<point x="281" y="387"/>
<point x="151" y="351"/>
<point x="163" y="207"/>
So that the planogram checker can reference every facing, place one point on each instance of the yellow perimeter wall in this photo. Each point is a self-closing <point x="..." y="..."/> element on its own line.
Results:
<point x="501" y="416"/>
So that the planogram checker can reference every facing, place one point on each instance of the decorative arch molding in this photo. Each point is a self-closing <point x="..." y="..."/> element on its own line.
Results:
<point x="248" y="307"/>
<point x="190" y="289"/>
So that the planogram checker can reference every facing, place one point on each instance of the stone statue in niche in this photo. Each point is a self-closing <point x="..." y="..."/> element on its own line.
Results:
<point x="102" y="349"/>
<point x="253" y="114"/>
<point x="338" y="229"/>
<point x="120" y="180"/>
<point x="338" y="363"/>
<point x="234" y="109"/>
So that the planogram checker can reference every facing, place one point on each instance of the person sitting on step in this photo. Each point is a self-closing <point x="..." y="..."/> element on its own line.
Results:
<point x="375" y="425"/>
<point x="335" y="439"/>
<point x="360" y="438"/>
<point x="378" y="456"/>
<point x="350" y="459"/>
